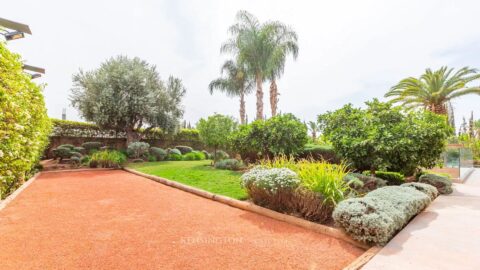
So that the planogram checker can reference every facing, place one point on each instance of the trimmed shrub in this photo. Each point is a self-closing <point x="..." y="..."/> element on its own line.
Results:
<point x="392" y="178"/>
<point x="151" y="158"/>
<point x="68" y="146"/>
<point x="62" y="153"/>
<point x="138" y="160"/>
<point x="85" y="160"/>
<point x="75" y="161"/>
<point x="378" y="216"/>
<point x="195" y="155"/>
<point x="199" y="155"/>
<point x="441" y="183"/>
<point x="80" y="150"/>
<point x="271" y="188"/>
<point x="319" y="152"/>
<point x="138" y="150"/>
<point x="207" y="155"/>
<point x="429" y="190"/>
<point x="159" y="153"/>
<point x="174" y="151"/>
<point x="184" y="149"/>
<point x="174" y="157"/>
<point x="75" y="154"/>
<point x="229" y="164"/>
<point x="220" y="154"/>
<point x="92" y="146"/>
<point x="108" y="159"/>
<point x="365" y="183"/>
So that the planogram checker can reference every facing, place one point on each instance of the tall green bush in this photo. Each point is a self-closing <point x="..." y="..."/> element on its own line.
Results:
<point x="24" y="125"/>
<point x="282" y="134"/>
<point x="215" y="130"/>
<point x="384" y="137"/>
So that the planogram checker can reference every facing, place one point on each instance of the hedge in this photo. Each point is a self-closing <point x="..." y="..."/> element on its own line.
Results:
<point x="24" y="125"/>
<point x="378" y="216"/>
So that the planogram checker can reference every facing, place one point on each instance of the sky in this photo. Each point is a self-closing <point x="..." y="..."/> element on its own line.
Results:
<point x="350" y="51"/>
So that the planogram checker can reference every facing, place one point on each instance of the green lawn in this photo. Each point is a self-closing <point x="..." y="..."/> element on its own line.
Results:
<point x="196" y="174"/>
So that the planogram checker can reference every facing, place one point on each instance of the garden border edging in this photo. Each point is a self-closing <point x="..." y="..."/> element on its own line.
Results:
<point x="319" y="228"/>
<point x="17" y="192"/>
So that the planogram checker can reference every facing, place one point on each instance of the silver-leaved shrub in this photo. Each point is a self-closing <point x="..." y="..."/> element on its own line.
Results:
<point x="378" y="216"/>
<point x="270" y="179"/>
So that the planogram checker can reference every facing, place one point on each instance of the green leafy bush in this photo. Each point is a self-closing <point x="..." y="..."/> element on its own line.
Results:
<point x="378" y="216"/>
<point x="24" y="124"/>
<point x="384" y="137"/>
<point x="319" y="152"/>
<point x="282" y="134"/>
<point x="199" y="155"/>
<point x="108" y="159"/>
<point x="441" y="183"/>
<point x="392" y="178"/>
<point x="92" y="146"/>
<point x="366" y="183"/>
<point x="151" y="158"/>
<point x="189" y="156"/>
<point x="85" y="160"/>
<point x="229" y="164"/>
<point x="174" y="156"/>
<point x="159" y="153"/>
<point x="215" y="130"/>
<point x="184" y="149"/>
<point x="138" y="150"/>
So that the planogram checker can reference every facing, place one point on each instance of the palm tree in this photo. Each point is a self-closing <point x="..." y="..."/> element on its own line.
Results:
<point x="236" y="84"/>
<point x="250" y="42"/>
<point x="314" y="128"/>
<point x="435" y="89"/>
<point x="283" y="43"/>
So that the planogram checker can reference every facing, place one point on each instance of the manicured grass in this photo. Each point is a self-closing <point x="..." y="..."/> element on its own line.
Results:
<point x="196" y="174"/>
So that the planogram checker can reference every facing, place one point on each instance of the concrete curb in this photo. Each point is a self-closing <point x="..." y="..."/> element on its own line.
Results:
<point x="363" y="259"/>
<point x="319" y="228"/>
<point x="19" y="190"/>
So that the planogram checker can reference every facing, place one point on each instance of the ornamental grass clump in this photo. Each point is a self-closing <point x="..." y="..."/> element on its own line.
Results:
<point x="107" y="159"/>
<point x="378" y="216"/>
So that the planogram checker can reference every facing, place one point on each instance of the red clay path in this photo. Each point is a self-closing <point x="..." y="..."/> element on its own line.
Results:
<point x="117" y="220"/>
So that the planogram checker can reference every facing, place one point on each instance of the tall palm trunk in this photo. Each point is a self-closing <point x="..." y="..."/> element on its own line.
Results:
<point x="273" y="97"/>
<point x="242" y="108"/>
<point x="259" y="95"/>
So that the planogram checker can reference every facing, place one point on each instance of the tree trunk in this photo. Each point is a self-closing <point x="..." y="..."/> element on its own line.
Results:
<point x="273" y="97"/>
<point x="259" y="95"/>
<point x="131" y="135"/>
<point x="314" y="135"/>
<point x="438" y="108"/>
<point x="242" y="108"/>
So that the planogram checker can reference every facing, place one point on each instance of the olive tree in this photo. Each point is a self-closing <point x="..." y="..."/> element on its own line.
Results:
<point x="127" y="94"/>
<point x="215" y="130"/>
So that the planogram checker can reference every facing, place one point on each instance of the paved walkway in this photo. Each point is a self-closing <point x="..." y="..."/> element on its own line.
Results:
<point x="445" y="236"/>
<point x="117" y="220"/>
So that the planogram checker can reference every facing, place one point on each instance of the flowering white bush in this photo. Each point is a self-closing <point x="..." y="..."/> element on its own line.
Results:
<point x="270" y="179"/>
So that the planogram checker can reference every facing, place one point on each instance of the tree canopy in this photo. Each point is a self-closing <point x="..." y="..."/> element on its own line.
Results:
<point x="383" y="137"/>
<point x="127" y="94"/>
<point x="215" y="130"/>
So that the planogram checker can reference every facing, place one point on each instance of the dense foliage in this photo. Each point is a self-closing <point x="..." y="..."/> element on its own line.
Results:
<point x="378" y="216"/>
<point x="319" y="152"/>
<point x="383" y="137"/>
<point x="138" y="150"/>
<point x="24" y="125"/>
<point x="215" y="130"/>
<point x="108" y="159"/>
<point x="282" y="134"/>
<point x="229" y="164"/>
<point x="127" y="94"/>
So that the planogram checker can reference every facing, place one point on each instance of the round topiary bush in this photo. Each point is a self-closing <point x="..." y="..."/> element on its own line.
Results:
<point x="159" y="153"/>
<point x="184" y="149"/>
<point x="68" y="146"/>
<point x="174" y="151"/>
<point x="137" y="150"/>
<point x="92" y="146"/>
<point x="62" y="153"/>
<point x="80" y="150"/>
<point x="442" y="183"/>
<point x="220" y="154"/>
<point x="229" y="164"/>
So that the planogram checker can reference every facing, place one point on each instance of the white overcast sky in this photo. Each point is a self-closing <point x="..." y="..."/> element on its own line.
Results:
<point x="350" y="51"/>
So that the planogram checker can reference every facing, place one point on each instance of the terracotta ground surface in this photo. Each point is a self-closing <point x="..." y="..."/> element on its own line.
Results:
<point x="117" y="220"/>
